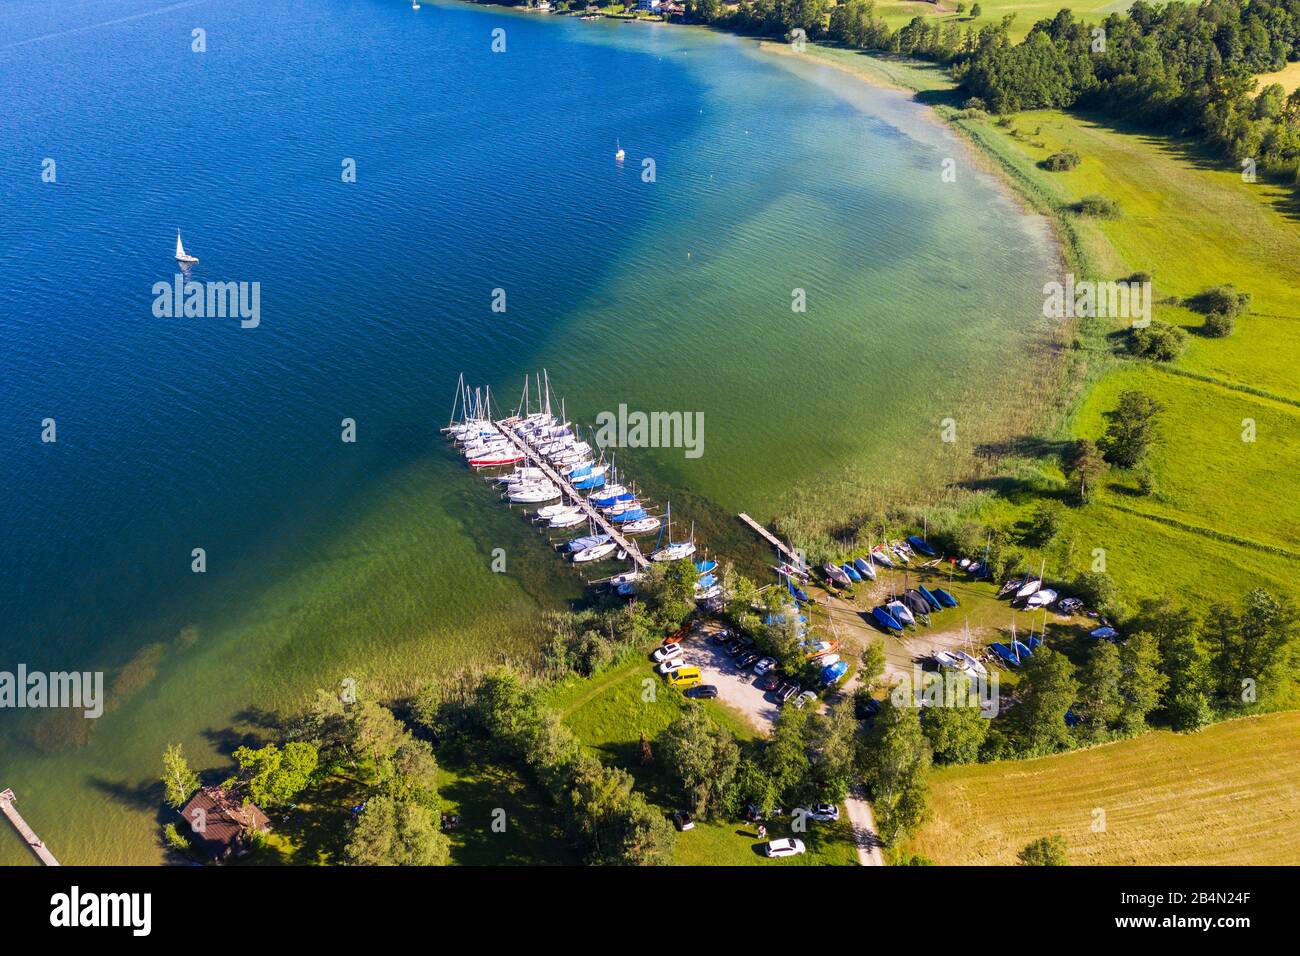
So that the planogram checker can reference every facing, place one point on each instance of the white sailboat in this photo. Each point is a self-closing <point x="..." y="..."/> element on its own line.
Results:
<point x="182" y="256"/>
<point x="618" y="152"/>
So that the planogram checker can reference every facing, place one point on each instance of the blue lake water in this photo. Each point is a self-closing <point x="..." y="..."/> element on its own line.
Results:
<point x="475" y="171"/>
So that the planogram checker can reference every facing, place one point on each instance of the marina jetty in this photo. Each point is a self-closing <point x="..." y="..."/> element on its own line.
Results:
<point x="571" y="484"/>
<point x="34" y="843"/>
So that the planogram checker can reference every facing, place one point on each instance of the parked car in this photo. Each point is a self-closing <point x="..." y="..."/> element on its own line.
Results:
<point x="785" y="692"/>
<point x="721" y="637"/>
<point x="824" y="812"/>
<point x="763" y="666"/>
<point x="667" y="652"/>
<point x="703" y="692"/>
<point x="684" y="677"/>
<point x="683" y="821"/>
<point x="804" y="699"/>
<point x="866" y="709"/>
<point x="771" y="681"/>
<point x="735" y="647"/>
<point x="787" y="847"/>
<point x="747" y="660"/>
<point x="667" y="667"/>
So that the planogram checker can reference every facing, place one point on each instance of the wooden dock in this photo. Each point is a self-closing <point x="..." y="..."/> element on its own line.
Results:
<point x="772" y="539"/>
<point x="537" y="461"/>
<point x="34" y="843"/>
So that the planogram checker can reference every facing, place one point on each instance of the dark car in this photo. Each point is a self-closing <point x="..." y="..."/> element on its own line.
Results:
<point x="786" y="692"/>
<point x="683" y="820"/>
<point x="703" y="692"/>
<point x="770" y="681"/>
<point x="734" y="648"/>
<point x="720" y="637"/>
<point x="866" y="709"/>
<point x="747" y="660"/>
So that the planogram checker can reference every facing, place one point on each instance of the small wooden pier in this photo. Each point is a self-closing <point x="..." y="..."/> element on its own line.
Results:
<point x="34" y="843"/>
<point x="607" y="526"/>
<point x="772" y="539"/>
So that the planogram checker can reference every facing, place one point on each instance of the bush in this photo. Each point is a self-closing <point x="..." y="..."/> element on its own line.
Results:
<point x="1098" y="207"/>
<point x="1045" y="523"/>
<point x="1222" y="298"/>
<point x="1063" y="161"/>
<point x="175" y="839"/>
<point x="1157" y="341"/>
<point x="1218" y="325"/>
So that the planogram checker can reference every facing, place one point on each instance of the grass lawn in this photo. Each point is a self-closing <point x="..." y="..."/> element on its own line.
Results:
<point x="476" y="789"/>
<point x="991" y="12"/>
<point x="1226" y="795"/>
<point x="611" y="711"/>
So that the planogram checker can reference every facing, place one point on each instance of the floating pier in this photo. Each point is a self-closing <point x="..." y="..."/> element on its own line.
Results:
<point x="34" y="843"/>
<point x="537" y="461"/>
<point x="771" y="539"/>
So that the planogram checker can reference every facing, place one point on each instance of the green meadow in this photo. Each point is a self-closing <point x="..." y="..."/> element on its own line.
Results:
<point x="1026" y="14"/>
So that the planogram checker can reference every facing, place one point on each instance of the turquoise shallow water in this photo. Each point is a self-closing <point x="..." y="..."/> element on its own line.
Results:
<point x="475" y="171"/>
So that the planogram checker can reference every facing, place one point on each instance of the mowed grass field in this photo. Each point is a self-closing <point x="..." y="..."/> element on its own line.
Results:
<point x="1227" y="795"/>
<point x="1027" y="13"/>
<point x="611" y="711"/>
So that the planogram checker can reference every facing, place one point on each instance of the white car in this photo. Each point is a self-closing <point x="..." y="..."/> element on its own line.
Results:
<point x="825" y="812"/>
<point x="763" y="666"/>
<point x="667" y="667"/>
<point x="803" y="699"/>
<point x="667" y="652"/>
<point x="789" y="847"/>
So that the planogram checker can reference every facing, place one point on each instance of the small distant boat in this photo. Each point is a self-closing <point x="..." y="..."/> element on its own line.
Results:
<point x="707" y="566"/>
<point x="836" y="574"/>
<point x="550" y="511"/>
<point x="865" y="568"/>
<point x="1043" y="597"/>
<point x="568" y="520"/>
<point x="1028" y="588"/>
<point x="618" y="152"/>
<point x="587" y="541"/>
<point x="789" y="570"/>
<point x="901" y="612"/>
<point x="851" y="571"/>
<point x="930" y="598"/>
<point x="535" y="495"/>
<point x="946" y="599"/>
<point x="595" y="553"/>
<point x="627" y="577"/>
<point x="673" y="550"/>
<point x="886" y="620"/>
<point x="1104" y="633"/>
<point x="641" y="525"/>
<point x="921" y="545"/>
<point x="878" y="555"/>
<point x="415" y="4"/>
<point x="182" y="256"/>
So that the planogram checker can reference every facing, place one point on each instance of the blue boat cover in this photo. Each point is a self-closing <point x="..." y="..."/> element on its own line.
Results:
<point x="919" y="544"/>
<point x="886" y="620"/>
<point x="945" y="597"/>
<point x="930" y="599"/>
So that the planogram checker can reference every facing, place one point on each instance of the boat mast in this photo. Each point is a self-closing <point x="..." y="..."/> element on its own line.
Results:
<point x="460" y="384"/>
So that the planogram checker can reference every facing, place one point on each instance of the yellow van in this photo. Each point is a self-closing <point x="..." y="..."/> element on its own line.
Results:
<point x="684" y="677"/>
